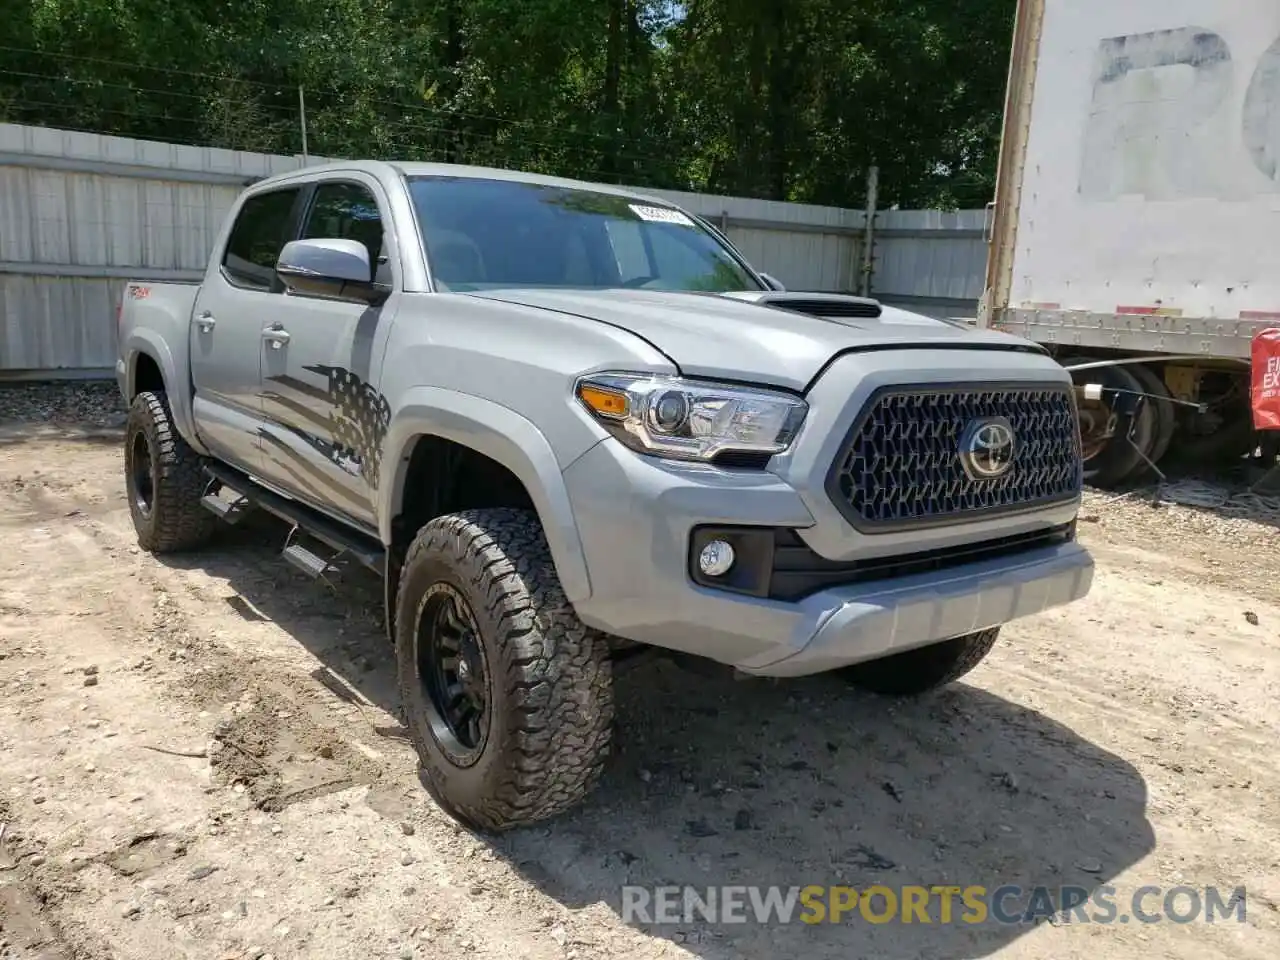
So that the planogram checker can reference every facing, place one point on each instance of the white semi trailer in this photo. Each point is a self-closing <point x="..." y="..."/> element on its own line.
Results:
<point x="1137" y="214"/>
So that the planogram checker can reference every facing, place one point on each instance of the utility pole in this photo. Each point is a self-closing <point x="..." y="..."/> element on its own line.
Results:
<point x="869" y="234"/>
<point x="302" y="116"/>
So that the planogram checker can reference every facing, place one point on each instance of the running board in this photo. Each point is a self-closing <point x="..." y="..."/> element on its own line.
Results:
<point x="229" y="511"/>
<point x="363" y="547"/>
<point x="300" y="558"/>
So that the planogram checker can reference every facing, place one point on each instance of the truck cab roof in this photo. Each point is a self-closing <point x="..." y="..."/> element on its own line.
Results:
<point x="383" y="169"/>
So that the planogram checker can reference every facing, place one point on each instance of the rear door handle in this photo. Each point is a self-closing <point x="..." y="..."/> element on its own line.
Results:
<point x="205" y="322"/>
<point x="276" y="336"/>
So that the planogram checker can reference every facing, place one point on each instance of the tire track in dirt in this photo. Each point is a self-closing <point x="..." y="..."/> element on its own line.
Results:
<point x="1036" y="764"/>
<point x="171" y="632"/>
<point x="283" y="741"/>
<point x="26" y="925"/>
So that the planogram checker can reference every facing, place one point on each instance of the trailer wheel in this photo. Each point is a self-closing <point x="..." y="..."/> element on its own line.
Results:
<point x="1166" y="415"/>
<point x="1109" y="458"/>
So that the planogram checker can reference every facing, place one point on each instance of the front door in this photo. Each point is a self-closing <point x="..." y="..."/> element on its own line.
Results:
<point x="324" y="421"/>
<point x="226" y="327"/>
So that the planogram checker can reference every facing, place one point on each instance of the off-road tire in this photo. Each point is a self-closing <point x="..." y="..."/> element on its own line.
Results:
<point x="549" y="677"/>
<point x="176" y="520"/>
<point x="925" y="668"/>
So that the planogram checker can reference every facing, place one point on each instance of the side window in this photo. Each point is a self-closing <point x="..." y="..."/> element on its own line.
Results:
<point x="348" y="211"/>
<point x="260" y="232"/>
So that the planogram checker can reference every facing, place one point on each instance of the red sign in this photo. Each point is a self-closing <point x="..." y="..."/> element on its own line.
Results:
<point x="1265" y="392"/>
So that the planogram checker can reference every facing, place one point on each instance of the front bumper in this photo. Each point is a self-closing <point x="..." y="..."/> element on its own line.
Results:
<point x="635" y="516"/>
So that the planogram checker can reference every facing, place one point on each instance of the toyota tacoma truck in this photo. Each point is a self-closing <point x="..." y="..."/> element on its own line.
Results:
<point x="566" y="423"/>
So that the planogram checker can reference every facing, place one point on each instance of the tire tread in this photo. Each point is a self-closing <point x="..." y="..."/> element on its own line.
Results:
<point x="178" y="521"/>
<point x="925" y="668"/>
<point x="553" y="670"/>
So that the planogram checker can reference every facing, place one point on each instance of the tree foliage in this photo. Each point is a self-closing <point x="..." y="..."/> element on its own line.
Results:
<point x="782" y="99"/>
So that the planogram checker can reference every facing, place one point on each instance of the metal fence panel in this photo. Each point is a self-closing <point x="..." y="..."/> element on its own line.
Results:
<point x="931" y="260"/>
<point x="50" y="323"/>
<point x="80" y="213"/>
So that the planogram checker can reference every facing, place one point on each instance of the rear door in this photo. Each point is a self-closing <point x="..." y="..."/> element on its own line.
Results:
<point x="324" y="421"/>
<point x="235" y="301"/>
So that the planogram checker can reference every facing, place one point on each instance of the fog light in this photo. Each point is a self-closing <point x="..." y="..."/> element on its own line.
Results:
<point x="716" y="558"/>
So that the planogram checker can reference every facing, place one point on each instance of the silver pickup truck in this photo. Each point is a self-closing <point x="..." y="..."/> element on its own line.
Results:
<point x="568" y="424"/>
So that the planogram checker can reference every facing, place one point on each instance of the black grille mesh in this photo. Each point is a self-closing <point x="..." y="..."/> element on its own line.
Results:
<point x="901" y="464"/>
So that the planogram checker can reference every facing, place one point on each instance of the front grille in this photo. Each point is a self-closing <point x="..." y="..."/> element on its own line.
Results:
<point x="776" y="563"/>
<point x="901" y="465"/>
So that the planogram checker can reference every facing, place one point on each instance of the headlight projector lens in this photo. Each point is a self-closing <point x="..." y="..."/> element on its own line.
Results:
<point x="671" y="411"/>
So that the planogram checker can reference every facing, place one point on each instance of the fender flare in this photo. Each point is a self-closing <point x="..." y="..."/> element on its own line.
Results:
<point x="144" y="342"/>
<point x="503" y="435"/>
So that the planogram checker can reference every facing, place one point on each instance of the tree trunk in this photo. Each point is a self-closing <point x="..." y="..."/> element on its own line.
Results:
<point x="612" y="88"/>
<point x="453" y="56"/>
<point x="781" y="76"/>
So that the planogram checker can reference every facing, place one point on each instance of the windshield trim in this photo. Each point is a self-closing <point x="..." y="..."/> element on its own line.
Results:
<point x="702" y="225"/>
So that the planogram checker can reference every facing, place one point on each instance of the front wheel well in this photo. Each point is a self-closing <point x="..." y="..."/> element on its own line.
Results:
<point x="444" y="476"/>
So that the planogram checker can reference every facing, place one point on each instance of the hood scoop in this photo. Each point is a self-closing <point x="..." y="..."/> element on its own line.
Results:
<point x="837" y="306"/>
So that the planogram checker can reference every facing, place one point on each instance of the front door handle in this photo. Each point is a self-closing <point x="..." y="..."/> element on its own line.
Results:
<point x="205" y="322"/>
<point x="276" y="336"/>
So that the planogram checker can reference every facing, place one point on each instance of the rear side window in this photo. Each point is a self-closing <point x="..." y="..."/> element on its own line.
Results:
<point x="261" y="230"/>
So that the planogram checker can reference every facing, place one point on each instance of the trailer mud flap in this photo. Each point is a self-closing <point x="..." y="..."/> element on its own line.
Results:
<point x="1265" y="379"/>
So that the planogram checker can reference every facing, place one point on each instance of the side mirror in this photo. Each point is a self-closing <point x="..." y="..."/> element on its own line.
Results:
<point x="773" y="283"/>
<point x="338" y="269"/>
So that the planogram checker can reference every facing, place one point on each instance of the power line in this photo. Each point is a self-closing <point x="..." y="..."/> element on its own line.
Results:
<point x="498" y="148"/>
<point x="128" y="66"/>
<point x="439" y="122"/>
<point x="105" y="85"/>
<point x="285" y="89"/>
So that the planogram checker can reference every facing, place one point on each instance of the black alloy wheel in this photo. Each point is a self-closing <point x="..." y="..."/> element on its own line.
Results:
<point x="454" y="673"/>
<point x="142" y="473"/>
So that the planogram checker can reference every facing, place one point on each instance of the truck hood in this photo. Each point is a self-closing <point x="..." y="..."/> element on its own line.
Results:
<point x="738" y="337"/>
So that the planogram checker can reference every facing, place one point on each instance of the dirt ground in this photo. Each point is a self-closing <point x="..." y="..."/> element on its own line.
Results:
<point x="202" y="758"/>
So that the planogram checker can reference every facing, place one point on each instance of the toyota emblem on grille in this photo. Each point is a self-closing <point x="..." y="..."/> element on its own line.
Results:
<point x="987" y="447"/>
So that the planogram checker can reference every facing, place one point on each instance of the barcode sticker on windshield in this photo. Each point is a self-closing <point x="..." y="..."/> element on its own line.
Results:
<point x="660" y="215"/>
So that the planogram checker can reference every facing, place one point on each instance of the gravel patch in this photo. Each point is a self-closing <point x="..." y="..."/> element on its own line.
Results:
<point x="95" y="403"/>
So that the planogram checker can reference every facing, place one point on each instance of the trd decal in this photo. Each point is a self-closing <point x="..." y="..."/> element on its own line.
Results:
<point x="357" y="419"/>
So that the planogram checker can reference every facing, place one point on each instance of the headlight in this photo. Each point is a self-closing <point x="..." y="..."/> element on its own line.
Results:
<point x="688" y="420"/>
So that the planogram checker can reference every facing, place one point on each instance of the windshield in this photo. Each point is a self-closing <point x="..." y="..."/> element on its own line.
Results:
<point x="482" y="234"/>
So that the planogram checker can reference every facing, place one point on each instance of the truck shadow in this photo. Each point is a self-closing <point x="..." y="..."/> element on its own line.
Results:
<point x="808" y="783"/>
<point x="716" y="782"/>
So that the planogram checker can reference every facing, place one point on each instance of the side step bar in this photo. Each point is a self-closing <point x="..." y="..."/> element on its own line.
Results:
<point x="229" y="511"/>
<point x="363" y="547"/>
<point x="300" y="558"/>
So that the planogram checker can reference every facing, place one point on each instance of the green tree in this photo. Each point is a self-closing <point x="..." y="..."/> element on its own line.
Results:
<point x="783" y="99"/>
